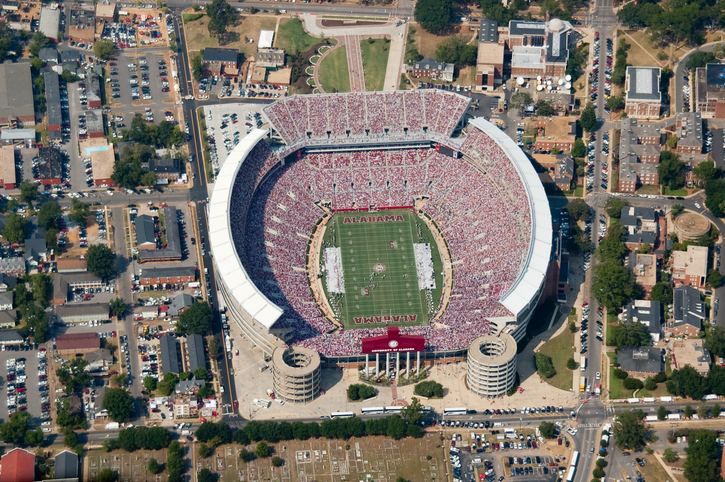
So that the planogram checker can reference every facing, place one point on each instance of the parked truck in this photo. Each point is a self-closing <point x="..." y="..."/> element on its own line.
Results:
<point x="583" y="364"/>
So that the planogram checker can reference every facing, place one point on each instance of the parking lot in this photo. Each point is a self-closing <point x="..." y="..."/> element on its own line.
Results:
<point x="26" y="382"/>
<point x="223" y="87"/>
<point x="139" y="82"/>
<point x="225" y="131"/>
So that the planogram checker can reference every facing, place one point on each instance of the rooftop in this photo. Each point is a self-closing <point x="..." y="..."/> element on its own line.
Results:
<point x="153" y="273"/>
<point x="643" y="83"/>
<point x="169" y="355"/>
<point x="50" y="165"/>
<point x="7" y="165"/>
<point x="694" y="260"/>
<point x="688" y="308"/>
<point x="558" y="129"/>
<point x="77" y="341"/>
<point x="689" y="129"/>
<point x="101" y="310"/>
<point x="52" y="98"/>
<point x="646" y="312"/>
<point x="643" y="359"/>
<point x="488" y="31"/>
<point x="16" y="91"/>
<point x="644" y="268"/>
<point x="220" y="55"/>
<point x="145" y="230"/>
<point x="195" y="347"/>
<point x="691" y="352"/>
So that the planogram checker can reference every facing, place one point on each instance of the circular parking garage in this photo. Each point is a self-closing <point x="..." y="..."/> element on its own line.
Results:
<point x="690" y="226"/>
<point x="492" y="365"/>
<point x="296" y="374"/>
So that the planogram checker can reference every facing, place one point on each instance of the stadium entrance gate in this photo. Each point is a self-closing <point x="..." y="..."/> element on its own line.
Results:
<point x="392" y="342"/>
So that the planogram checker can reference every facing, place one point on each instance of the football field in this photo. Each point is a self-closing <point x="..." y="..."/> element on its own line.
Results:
<point x="378" y="268"/>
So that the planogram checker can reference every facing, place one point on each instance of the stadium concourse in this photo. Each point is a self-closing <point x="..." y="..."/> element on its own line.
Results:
<point x="375" y="150"/>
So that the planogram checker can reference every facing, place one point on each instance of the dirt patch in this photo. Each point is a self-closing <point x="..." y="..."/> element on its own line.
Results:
<point x="299" y="63"/>
<point x="349" y="23"/>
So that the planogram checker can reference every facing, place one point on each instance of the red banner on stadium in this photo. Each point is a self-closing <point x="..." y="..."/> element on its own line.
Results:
<point x="377" y="208"/>
<point x="393" y="342"/>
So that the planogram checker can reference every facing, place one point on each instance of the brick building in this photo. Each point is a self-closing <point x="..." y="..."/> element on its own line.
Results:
<point x="710" y="91"/>
<point x="690" y="267"/>
<point x="50" y="165"/>
<point x="7" y="167"/>
<point x="70" y="344"/>
<point x="491" y="55"/>
<point x="688" y="128"/>
<point x="217" y="59"/>
<point x="639" y="155"/>
<point x="17" y="108"/>
<point x="539" y="48"/>
<point x="643" y="98"/>
<point x="161" y="276"/>
<point x="556" y="132"/>
<point x="429" y="68"/>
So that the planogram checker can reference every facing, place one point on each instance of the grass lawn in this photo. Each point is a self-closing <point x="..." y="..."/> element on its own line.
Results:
<point x="333" y="73"/>
<point x="427" y="42"/>
<point x="675" y="192"/>
<point x="644" y="39"/>
<point x="292" y="36"/>
<point x="660" y="391"/>
<point x="579" y="191"/>
<point x="640" y="57"/>
<point x="190" y="17"/>
<point x="375" y="61"/>
<point x="560" y="350"/>
<point x="654" y="190"/>
<point x="653" y="470"/>
<point x="616" y="386"/>
<point x="198" y="38"/>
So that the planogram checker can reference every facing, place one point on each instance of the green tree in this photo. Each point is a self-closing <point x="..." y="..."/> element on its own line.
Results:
<point x="201" y="373"/>
<point x="456" y="50"/>
<point x="632" y="383"/>
<point x="204" y="450"/>
<point x="246" y="455"/>
<point x="520" y="100"/>
<point x="221" y="16"/>
<point x="412" y="413"/>
<point x="277" y="461"/>
<point x="615" y="103"/>
<point x="547" y="430"/>
<point x="671" y="170"/>
<point x="118" y="307"/>
<point x="629" y="430"/>
<point x="611" y="247"/>
<point x="719" y="50"/>
<point x="149" y="384"/>
<point x="104" y="49"/>
<point x="154" y="467"/>
<point x="70" y="439"/>
<point x="672" y="141"/>
<point x="714" y="278"/>
<point x="197" y="319"/>
<point x="205" y="475"/>
<point x="579" y="149"/>
<point x="15" y="429"/>
<point x="715" y="340"/>
<point x="676" y="210"/>
<point x="700" y="59"/>
<point x="79" y="212"/>
<point x="40" y="41"/>
<point x="715" y="197"/>
<point x="715" y="410"/>
<point x="545" y="109"/>
<point x="544" y="366"/>
<point x="429" y="389"/>
<point x="127" y="172"/>
<point x="35" y="437"/>
<point x="614" y="207"/>
<point x="669" y="455"/>
<point x="579" y="210"/>
<point x="119" y="404"/>
<point x="629" y="334"/>
<point x="588" y="119"/>
<point x="687" y="382"/>
<point x="706" y="171"/>
<point x="571" y="364"/>
<point x="614" y="285"/>
<point x="702" y="456"/>
<point x="100" y="260"/>
<point x="434" y="15"/>
<point x="262" y="450"/>
<point x="28" y="191"/>
<point x="689" y="411"/>
<point x="650" y="385"/>
<point x="197" y="66"/>
<point x="662" y="292"/>
<point x="662" y="412"/>
<point x="15" y="229"/>
<point x="107" y="475"/>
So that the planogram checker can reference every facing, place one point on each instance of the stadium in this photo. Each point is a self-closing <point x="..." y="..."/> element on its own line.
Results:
<point x="362" y="212"/>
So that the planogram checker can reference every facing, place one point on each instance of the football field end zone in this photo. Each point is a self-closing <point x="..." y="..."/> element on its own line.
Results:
<point x="382" y="239"/>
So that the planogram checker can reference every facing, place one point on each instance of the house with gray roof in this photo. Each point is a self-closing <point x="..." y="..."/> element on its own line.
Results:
<point x="145" y="232"/>
<point x="8" y="319"/>
<point x="643" y="95"/>
<point x="172" y="250"/>
<point x="648" y="313"/>
<point x="188" y="387"/>
<point x="641" y="362"/>
<point x="431" y="69"/>
<point x="169" y="355"/>
<point x="14" y="266"/>
<point x="66" y="465"/>
<point x="6" y="300"/>
<point x="641" y="225"/>
<point x="195" y="348"/>
<point x="49" y="22"/>
<point x="17" y="107"/>
<point x="7" y="283"/>
<point x="689" y="311"/>
<point x="11" y="337"/>
<point x="180" y="303"/>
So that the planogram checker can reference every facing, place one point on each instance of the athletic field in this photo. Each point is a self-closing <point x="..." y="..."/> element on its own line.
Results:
<point x="378" y="266"/>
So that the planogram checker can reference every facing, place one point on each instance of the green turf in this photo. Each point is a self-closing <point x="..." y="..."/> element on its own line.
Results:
<point x="293" y="38"/>
<point x="375" y="62"/>
<point x="334" y="75"/>
<point x="392" y="293"/>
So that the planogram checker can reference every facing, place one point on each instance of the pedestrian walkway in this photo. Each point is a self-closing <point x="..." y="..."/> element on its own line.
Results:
<point x="355" y="63"/>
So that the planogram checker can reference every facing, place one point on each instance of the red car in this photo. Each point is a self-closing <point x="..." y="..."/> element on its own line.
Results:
<point x="236" y="404"/>
<point x="42" y="377"/>
<point x="21" y="389"/>
<point x="113" y="334"/>
<point x="112" y="64"/>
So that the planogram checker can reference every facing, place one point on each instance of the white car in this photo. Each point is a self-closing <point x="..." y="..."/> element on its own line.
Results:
<point x="599" y="375"/>
<point x="697" y="205"/>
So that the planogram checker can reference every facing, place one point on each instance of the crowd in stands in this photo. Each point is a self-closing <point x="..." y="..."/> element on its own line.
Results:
<point x="356" y="116"/>
<point x="478" y="202"/>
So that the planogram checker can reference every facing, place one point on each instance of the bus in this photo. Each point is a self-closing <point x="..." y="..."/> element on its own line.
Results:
<point x="572" y="467"/>
<point x="455" y="411"/>
<point x="574" y="459"/>
<point x="365" y="410"/>
<point x="393" y="409"/>
<point x="342" y="415"/>
<point x="583" y="384"/>
<point x="572" y="472"/>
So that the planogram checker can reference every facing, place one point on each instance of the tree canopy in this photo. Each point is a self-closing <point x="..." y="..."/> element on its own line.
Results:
<point x="614" y="207"/>
<point x="456" y="50"/>
<point x="544" y="365"/>
<point x="702" y="456"/>
<point x="611" y="247"/>
<point x="79" y="212"/>
<point x="520" y="100"/>
<point x="700" y="59"/>
<point x="715" y="340"/>
<point x="221" y="16"/>
<point x="715" y="197"/>
<point x="434" y="15"/>
<point x="16" y="429"/>
<point x="100" y="260"/>
<point x="662" y="292"/>
<point x="579" y="209"/>
<point x="687" y="382"/>
<point x="119" y="404"/>
<point x="547" y="429"/>
<point x="48" y="214"/>
<point x="614" y="285"/>
<point x="629" y="430"/>
<point x="197" y="319"/>
<point x="104" y="49"/>
<point x="128" y="172"/>
<point x="28" y="191"/>
<point x="629" y="334"/>
<point x="671" y="170"/>
<point x="429" y="389"/>
<point x="15" y="230"/>
<point x="360" y="391"/>
<point x="588" y="118"/>
<point x="40" y="41"/>
<point x="163" y="134"/>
